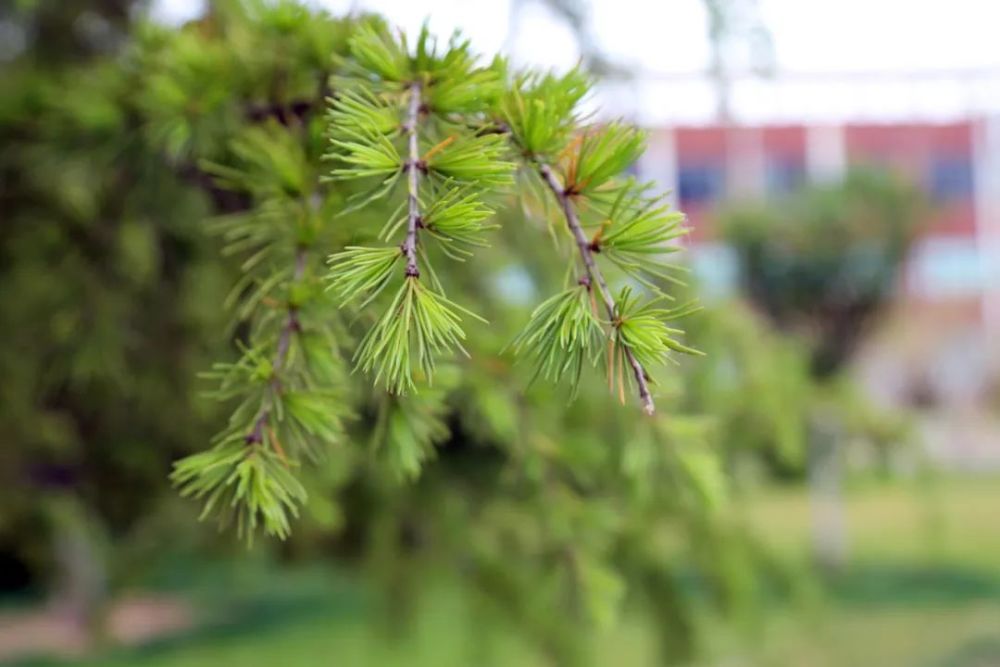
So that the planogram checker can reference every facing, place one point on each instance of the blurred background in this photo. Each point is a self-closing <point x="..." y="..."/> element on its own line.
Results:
<point x="839" y="165"/>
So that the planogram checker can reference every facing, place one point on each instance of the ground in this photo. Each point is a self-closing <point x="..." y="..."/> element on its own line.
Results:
<point x="922" y="588"/>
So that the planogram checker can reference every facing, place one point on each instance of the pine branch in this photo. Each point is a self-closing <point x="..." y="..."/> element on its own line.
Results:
<point x="385" y="95"/>
<point x="290" y="326"/>
<point x="413" y="182"/>
<point x="595" y="277"/>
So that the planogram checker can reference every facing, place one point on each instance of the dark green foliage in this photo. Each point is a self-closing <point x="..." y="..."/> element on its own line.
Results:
<point x="825" y="261"/>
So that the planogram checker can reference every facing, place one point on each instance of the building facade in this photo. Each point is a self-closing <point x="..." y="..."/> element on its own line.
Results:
<point x="944" y="336"/>
<point x="956" y="163"/>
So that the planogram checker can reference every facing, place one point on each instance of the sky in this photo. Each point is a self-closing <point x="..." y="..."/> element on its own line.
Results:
<point x="836" y="59"/>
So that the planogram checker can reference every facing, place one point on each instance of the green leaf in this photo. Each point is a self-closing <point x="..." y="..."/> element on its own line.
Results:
<point x="249" y="484"/>
<point x="408" y="427"/>
<point x="361" y="110"/>
<point x="603" y="590"/>
<point x="365" y="152"/>
<point x="637" y="235"/>
<point x="271" y="163"/>
<point x="456" y="218"/>
<point x="464" y="89"/>
<point x="643" y="329"/>
<point x="540" y="112"/>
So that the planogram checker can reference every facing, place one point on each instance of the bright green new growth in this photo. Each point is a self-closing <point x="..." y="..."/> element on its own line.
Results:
<point x="599" y="155"/>
<point x="642" y="328"/>
<point x="415" y="327"/>
<point x="562" y="334"/>
<point x="456" y="219"/>
<point x="429" y="140"/>
<point x="256" y="487"/>
<point x="638" y="234"/>
<point x="413" y="120"/>
<point x="583" y="169"/>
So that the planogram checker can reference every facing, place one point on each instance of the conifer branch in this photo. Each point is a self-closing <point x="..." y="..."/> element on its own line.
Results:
<point x="596" y="277"/>
<point x="413" y="182"/>
<point x="377" y="124"/>
<point x="290" y="326"/>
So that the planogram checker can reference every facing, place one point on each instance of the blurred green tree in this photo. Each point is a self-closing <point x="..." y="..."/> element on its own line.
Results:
<point x="822" y="265"/>
<point x="104" y="273"/>
<point x="825" y="263"/>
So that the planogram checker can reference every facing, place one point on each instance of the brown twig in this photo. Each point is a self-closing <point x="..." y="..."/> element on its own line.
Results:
<point x="596" y="277"/>
<point x="413" y="165"/>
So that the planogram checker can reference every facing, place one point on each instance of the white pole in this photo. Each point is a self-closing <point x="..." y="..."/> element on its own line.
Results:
<point x="986" y="161"/>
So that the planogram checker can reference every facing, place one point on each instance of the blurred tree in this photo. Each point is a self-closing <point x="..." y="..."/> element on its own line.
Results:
<point x="104" y="274"/>
<point x="822" y="266"/>
<point x="824" y="263"/>
<point x="50" y="33"/>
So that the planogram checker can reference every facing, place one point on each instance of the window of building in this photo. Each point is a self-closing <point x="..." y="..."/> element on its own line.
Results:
<point x="951" y="178"/>
<point x="784" y="175"/>
<point x="700" y="183"/>
<point x="942" y="267"/>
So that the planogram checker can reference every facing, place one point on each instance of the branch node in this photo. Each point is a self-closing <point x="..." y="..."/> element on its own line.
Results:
<point x="420" y="165"/>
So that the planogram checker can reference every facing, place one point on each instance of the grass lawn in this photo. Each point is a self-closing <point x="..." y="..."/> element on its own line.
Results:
<point x="922" y="589"/>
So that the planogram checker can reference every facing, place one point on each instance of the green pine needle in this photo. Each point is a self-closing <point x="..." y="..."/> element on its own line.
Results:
<point x="475" y="159"/>
<point x="561" y="335"/>
<point x="455" y="218"/>
<point x="540" y="110"/>
<point x="359" y="271"/>
<point x="365" y="152"/>
<point x="643" y="329"/>
<point x="359" y="109"/>
<point x="600" y="155"/>
<point x="375" y="50"/>
<point x="252" y="485"/>
<point x="418" y="325"/>
<point x="638" y="235"/>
